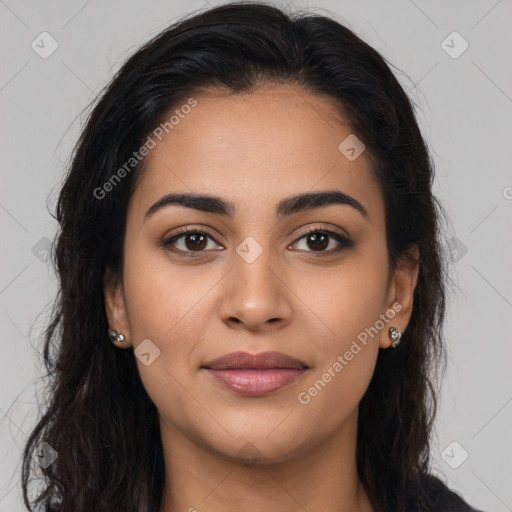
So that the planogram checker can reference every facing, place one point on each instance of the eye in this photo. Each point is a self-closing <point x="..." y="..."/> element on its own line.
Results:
<point x="190" y="241"/>
<point x="320" y="239"/>
<point x="193" y="242"/>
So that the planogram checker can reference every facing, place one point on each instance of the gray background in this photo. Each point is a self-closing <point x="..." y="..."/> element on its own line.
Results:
<point x="465" y="107"/>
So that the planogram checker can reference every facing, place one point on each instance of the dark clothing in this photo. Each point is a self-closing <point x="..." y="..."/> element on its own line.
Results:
<point x="433" y="496"/>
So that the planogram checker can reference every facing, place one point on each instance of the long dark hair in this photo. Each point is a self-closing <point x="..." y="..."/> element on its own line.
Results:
<point x="99" y="418"/>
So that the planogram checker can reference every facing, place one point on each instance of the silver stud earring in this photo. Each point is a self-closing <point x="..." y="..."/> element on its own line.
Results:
<point x="394" y="336"/>
<point x="116" y="337"/>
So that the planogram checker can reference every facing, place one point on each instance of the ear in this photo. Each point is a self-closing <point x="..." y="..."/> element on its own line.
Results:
<point x="400" y="294"/>
<point x="115" y="306"/>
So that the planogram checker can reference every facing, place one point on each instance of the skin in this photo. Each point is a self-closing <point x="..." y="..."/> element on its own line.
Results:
<point x="254" y="150"/>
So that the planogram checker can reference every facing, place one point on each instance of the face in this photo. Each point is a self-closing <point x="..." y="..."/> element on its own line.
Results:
<point x="309" y="280"/>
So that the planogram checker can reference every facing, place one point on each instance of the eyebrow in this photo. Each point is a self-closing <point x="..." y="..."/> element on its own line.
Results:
<point x="285" y="207"/>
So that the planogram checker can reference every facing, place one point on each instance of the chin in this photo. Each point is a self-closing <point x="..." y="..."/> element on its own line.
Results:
<point x="257" y="449"/>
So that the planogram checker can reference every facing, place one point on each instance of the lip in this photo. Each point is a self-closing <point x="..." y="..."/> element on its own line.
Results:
<point x="261" y="361"/>
<point x="255" y="374"/>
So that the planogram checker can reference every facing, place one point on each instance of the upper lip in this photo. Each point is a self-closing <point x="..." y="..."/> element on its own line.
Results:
<point x="262" y="361"/>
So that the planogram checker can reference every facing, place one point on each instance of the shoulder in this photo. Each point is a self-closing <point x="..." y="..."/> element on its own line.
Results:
<point x="436" y="495"/>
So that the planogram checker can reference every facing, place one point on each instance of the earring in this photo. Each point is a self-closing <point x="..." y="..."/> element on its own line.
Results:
<point x="116" y="337"/>
<point x="394" y="336"/>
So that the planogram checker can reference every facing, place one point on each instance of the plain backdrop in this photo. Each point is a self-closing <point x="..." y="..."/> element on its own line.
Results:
<point x="464" y="106"/>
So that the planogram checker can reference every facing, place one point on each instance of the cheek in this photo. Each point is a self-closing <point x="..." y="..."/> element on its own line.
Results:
<point x="163" y="303"/>
<point x="333" y="392"/>
<point x="161" y="296"/>
<point x="349" y="302"/>
<point x="346" y="300"/>
<point x="346" y="361"/>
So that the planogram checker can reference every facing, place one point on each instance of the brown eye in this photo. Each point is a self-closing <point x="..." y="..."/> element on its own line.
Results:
<point x="195" y="241"/>
<point x="318" y="241"/>
<point x="190" y="241"/>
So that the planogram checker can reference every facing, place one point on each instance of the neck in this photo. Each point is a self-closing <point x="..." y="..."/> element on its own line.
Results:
<point x="322" y="477"/>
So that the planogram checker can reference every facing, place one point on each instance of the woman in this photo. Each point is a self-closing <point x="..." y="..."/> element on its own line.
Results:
<point x="251" y="282"/>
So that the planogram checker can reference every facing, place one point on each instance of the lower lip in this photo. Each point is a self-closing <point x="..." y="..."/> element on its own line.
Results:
<point x="252" y="382"/>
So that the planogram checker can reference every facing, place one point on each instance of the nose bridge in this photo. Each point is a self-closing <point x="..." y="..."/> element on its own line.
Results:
<point x="252" y="274"/>
<point x="254" y="293"/>
<point x="255" y="270"/>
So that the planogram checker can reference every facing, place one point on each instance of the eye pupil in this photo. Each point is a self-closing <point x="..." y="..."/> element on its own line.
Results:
<point x="198" y="241"/>
<point x="316" y="240"/>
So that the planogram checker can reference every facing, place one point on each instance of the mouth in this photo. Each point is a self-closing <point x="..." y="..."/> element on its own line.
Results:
<point x="255" y="375"/>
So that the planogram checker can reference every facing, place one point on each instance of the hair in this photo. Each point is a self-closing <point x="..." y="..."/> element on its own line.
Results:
<point x="99" y="417"/>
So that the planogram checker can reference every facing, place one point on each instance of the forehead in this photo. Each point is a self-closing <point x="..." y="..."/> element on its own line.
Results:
<point x="254" y="149"/>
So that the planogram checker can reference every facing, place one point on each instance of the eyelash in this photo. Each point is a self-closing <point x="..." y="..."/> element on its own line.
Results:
<point x="342" y="240"/>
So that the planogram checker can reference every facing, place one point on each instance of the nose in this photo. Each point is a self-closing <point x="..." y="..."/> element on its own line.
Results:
<point x="255" y="295"/>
